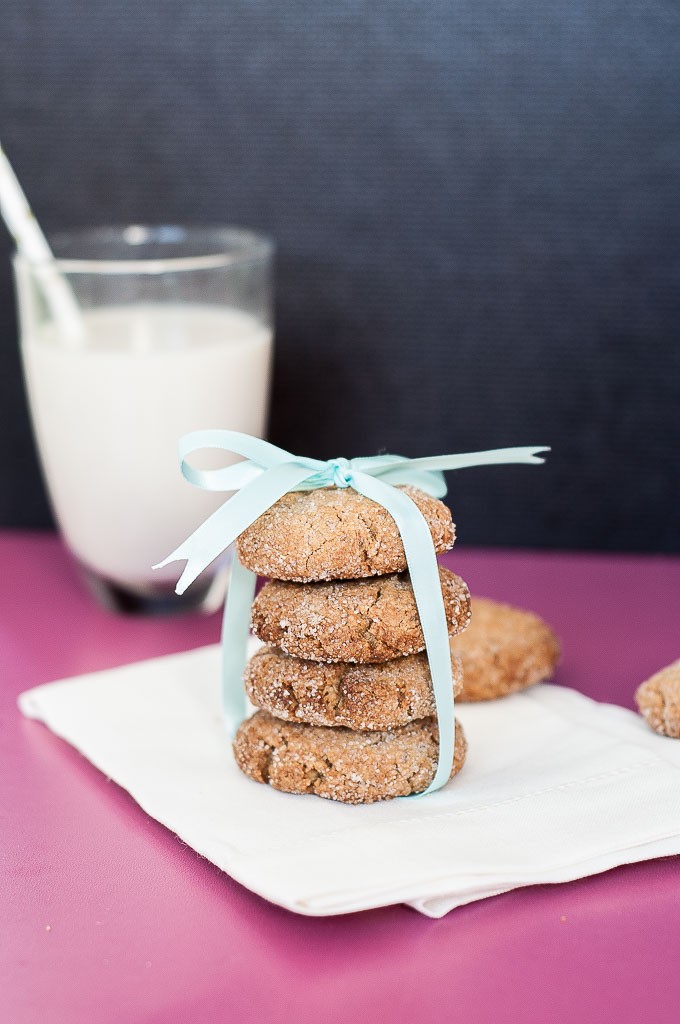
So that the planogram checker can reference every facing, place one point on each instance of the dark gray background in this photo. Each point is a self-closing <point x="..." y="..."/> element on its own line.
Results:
<point x="477" y="207"/>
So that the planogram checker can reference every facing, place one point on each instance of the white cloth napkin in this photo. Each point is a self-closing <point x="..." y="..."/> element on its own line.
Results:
<point x="556" y="787"/>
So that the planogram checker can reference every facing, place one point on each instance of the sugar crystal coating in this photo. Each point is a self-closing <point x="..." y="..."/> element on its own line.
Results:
<point x="358" y="696"/>
<point x="342" y="764"/>
<point x="367" y="620"/>
<point x="335" y="533"/>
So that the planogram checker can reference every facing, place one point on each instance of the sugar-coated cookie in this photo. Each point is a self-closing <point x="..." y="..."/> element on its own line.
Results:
<point x="335" y="533"/>
<point x="340" y="764"/>
<point x="504" y="650"/>
<point x="378" y="696"/>
<point x="365" y="620"/>
<point x="659" y="700"/>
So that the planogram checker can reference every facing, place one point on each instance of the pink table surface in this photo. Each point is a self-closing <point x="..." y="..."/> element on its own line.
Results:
<point x="107" y="917"/>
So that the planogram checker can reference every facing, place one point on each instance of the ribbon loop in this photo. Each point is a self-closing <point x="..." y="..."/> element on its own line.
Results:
<point x="263" y="476"/>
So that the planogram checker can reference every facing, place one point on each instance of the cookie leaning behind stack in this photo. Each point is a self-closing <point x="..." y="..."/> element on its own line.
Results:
<point x="505" y="650"/>
<point x="344" y="691"/>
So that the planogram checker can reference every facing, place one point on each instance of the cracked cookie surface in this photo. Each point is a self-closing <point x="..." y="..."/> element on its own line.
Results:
<point x="658" y="699"/>
<point x="377" y="696"/>
<point x="504" y="650"/>
<point x="341" y="764"/>
<point x="335" y="533"/>
<point x="367" y="620"/>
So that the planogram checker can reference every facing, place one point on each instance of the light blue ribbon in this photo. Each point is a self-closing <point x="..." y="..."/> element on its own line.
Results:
<point x="265" y="475"/>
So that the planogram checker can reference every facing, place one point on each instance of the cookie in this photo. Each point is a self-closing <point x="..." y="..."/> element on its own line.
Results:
<point x="504" y="650"/>
<point x="379" y="696"/>
<point x="334" y="534"/>
<point x="659" y="700"/>
<point x="340" y="764"/>
<point x="367" y="620"/>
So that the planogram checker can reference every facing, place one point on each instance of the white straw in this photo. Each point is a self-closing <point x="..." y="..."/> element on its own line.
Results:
<point x="33" y="246"/>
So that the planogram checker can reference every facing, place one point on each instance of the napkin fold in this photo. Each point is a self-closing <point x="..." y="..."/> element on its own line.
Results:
<point x="555" y="787"/>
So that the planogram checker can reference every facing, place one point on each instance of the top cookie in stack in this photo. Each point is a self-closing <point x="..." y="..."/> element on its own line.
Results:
<point x="335" y="534"/>
<point x="344" y="689"/>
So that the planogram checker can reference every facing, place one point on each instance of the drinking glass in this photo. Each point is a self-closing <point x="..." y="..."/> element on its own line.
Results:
<point x="176" y="336"/>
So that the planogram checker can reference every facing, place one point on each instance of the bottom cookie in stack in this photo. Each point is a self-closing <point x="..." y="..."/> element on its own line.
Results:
<point x="356" y="733"/>
<point x="342" y="764"/>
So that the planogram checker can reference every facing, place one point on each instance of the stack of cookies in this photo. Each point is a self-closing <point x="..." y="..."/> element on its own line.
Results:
<point x="343" y="685"/>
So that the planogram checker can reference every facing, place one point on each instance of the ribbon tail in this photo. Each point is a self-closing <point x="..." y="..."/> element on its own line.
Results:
<point x="427" y="473"/>
<point x="424" y="572"/>
<point x="235" y="629"/>
<point x="493" y="457"/>
<point x="231" y="519"/>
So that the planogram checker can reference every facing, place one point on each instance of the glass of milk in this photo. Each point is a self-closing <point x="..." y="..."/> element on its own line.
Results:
<point x="178" y="337"/>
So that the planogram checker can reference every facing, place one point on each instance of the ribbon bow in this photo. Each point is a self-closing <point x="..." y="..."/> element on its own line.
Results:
<point x="265" y="475"/>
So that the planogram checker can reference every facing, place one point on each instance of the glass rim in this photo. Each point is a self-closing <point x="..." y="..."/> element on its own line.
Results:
<point x="240" y="246"/>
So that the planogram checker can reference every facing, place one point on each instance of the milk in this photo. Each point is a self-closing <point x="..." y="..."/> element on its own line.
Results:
<point x="108" y="415"/>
